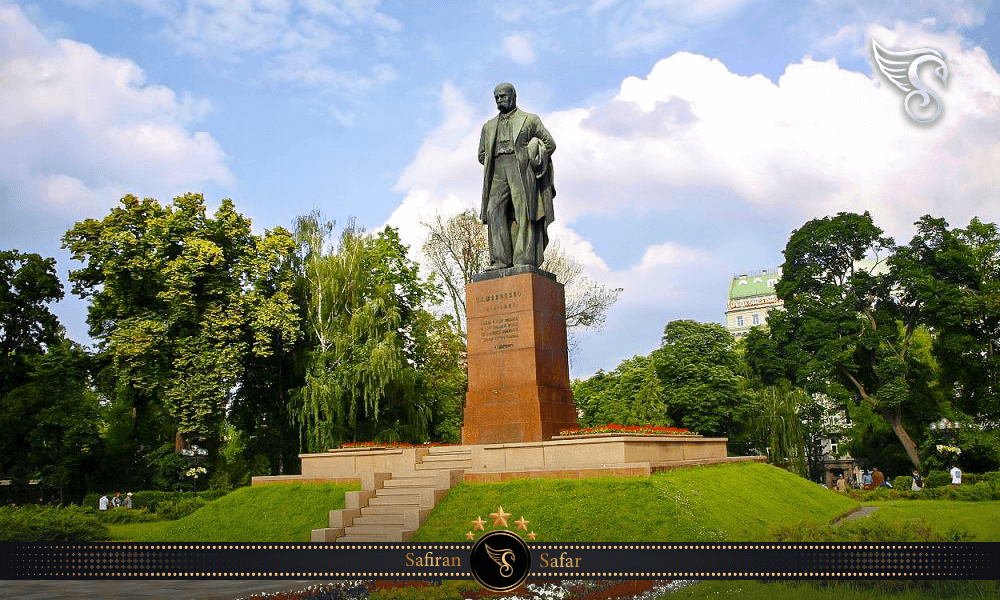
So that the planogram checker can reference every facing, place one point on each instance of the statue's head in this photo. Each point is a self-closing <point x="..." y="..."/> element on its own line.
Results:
<point x="505" y="96"/>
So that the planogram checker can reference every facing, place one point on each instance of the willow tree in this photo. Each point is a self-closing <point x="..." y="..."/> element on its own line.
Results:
<point x="369" y="334"/>
<point x="776" y="423"/>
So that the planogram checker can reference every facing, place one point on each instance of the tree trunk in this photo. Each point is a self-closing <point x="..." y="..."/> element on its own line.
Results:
<point x="895" y="418"/>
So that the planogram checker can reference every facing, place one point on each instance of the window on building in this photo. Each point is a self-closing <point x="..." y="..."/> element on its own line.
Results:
<point x="833" y="448"/>
<point x="739" y="321"/>
<point x="755" y="319"/>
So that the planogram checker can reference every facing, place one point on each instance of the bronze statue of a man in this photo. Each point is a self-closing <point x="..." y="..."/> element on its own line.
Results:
<point x="515" y="150"/>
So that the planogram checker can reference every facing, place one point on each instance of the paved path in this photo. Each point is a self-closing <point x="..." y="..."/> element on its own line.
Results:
<point x="864" y="511"/>
<point x="166" y="589"/>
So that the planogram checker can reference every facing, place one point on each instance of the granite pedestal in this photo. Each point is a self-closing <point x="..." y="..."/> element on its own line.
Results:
<point x="517" y="358"/>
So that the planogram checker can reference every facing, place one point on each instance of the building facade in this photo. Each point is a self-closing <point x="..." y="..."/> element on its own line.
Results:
<point x="751" y="298"/>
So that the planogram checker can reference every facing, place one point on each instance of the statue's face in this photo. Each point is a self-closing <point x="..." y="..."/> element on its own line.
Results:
<point x="505" y="98"/>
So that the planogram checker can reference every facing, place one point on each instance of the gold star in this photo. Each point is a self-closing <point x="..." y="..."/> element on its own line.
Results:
<point x="500" y="517"/>
<point x="522" y="524"/>
<point x="477" y="525"/>
<point x="531" y="536"/>
<point x="469" y="535"/>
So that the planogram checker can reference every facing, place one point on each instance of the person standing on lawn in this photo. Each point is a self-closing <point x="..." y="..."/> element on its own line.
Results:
<point x="956" y="476"/>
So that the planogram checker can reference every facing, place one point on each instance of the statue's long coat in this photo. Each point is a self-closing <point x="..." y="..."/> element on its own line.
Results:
<point x="524" y="126"/>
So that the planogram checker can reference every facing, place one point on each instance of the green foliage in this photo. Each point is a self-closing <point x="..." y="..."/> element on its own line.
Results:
<point x="776" y="424"/>
<point x="180" y="508"/>
<point x="123" y="516"/>
<point x="28" y="283"/>
<point x="377" y="354"/>
<point x="49" y="424"/>
<point x="700" y="368"/>
<point x="697" y="384"/>
<point x="178" y="299"/>
<point x="867" y="530"/>
<point x="49" y="524"/>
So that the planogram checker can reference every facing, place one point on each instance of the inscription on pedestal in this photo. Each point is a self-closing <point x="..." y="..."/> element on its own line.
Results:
<point x="502" y="301"/>
<point x="500" y="332"/>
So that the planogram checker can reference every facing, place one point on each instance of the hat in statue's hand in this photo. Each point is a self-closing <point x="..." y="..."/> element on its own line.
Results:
<point x="537" y="156"/>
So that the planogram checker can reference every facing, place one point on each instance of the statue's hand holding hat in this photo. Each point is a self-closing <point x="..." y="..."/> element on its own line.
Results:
<point x="537" y="156"/>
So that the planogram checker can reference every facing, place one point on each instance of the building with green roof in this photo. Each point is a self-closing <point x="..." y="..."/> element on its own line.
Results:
<point x="751" y="298"/>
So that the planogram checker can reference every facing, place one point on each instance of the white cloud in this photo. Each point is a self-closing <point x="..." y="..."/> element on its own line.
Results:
<point x="693" y="138"/>
<point x="309" y="42"/>
<point x="78" y="128"/>
<point x="651" y="24"/>
<point x="519" y="49"/>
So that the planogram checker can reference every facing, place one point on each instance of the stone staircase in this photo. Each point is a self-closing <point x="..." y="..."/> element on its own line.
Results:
<point x="391" y="506"/>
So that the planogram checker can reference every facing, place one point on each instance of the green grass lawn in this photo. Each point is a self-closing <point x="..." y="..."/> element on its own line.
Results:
<point x="136" y="532"/>
<point x="269" y="513"/>
<point x="737" y="502"/>
<point x="980" y="518"/>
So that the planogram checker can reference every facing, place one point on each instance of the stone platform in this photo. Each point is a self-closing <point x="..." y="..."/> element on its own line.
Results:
<point x="567" y="456"/>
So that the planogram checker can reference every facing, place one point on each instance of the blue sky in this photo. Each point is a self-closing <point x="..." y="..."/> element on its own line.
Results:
<point x="692" y="137"/>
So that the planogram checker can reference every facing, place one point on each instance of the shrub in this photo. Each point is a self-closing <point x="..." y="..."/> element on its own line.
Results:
<point x="937" y="479"/>
<point x="50" y="524"/>
<point x="123" y="516"/>
<point x="867" y="530"/>
<point x="178" y="509"/>
<point x="902" y="482"/>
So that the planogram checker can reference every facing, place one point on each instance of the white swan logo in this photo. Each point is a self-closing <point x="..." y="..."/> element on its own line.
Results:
<point x="901" y="68"/>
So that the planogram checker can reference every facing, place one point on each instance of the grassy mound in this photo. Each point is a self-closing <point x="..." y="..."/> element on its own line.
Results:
<point x="270" y="513"/>
<point x="737" y="502"/>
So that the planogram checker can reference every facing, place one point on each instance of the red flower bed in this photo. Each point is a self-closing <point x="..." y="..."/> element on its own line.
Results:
<point x="391" y="445"/>
<point x="631" y="429"/>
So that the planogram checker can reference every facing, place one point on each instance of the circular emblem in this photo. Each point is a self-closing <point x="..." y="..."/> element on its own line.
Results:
<point x="500" y="561"/>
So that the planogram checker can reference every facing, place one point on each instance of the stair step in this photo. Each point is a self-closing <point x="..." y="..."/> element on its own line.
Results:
<point x="371" y="529"/>
<point x="387" y="509"/>
<point x="388" y="519"/>
<point x="445" y="465"/>
<point x="397" y="500"/>
<point x="401" y="491"/>
<point x="428" y="481"/>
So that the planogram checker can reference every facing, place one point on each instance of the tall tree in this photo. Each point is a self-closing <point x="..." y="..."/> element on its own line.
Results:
<point x="50" y="424"/>
<point x="842" y="331"/>
<point x="178" y="300"/>
<point x="28" y="283"/>
<point x="458" y="248"/>
<point x="693" y="380"/>
<point x="700" y="370"/>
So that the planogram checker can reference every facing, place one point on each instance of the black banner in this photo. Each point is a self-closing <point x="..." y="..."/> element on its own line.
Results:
<point x="452" y="561"/>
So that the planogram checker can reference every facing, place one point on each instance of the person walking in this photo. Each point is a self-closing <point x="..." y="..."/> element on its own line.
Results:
<point x="956" y="476"/>
<point x="128" y="500"/>
<point x="102" y="504"/>
<point x="117" y="500"/>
